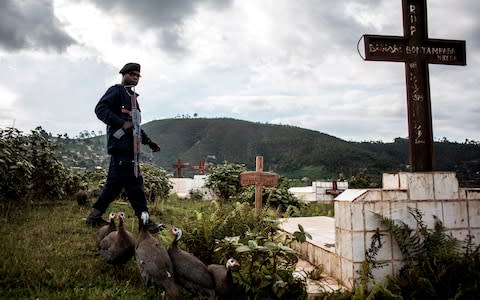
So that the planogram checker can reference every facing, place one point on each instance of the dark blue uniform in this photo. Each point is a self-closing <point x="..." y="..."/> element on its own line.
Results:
<point x="113" y="109"/>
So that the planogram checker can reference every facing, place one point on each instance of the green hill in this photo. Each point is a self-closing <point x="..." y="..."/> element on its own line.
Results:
<point x="290" y="151"/>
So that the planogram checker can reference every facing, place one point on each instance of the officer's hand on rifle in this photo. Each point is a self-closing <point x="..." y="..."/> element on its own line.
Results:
<point x="153" y="146"/>
<point x="127" y="126"/>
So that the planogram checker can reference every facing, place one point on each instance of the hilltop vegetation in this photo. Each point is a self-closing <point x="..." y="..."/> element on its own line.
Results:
<point x="290" y="151"/>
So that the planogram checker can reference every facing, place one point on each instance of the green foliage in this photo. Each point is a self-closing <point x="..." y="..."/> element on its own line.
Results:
<point x="224" y="180"/>
<point x="365" y="271"/>
<point x="196" y="194"/>
<point x="361" y="181"/>
<point x="16" y="168"/>
<point x="29" y="168"/>
<point x="156" y="182"/>
<point x="216" y="235"/>
<point x="275" y="197"/>
<point x="205" y="225"/>
<point x="434" y="266"/>
<point x="94" y="179"/>
<point x="318" y="209"/>
<point x="267" y="263"/>
<point x="48" y="253"/>
<point x="290" y="151"/>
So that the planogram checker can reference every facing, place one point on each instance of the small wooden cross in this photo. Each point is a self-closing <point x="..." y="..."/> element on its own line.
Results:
<point x="416" y="50"/>
<point x="334" y="190"/>
<point x="178" y="166"/>
<point x="201" y="167"/>
<point x="259" y="179"/>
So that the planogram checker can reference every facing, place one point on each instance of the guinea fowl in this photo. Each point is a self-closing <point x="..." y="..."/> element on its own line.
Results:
<point x="118" y="246"/>
<point x="153" y="261"/>
<point x="222" y="275"/>
<point x="106" y="229"/>
<point x="189" y="271"/>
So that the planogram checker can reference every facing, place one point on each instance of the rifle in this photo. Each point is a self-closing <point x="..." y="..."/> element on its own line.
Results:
<point x="136" y="119"/>
<point x="137" y="138"/>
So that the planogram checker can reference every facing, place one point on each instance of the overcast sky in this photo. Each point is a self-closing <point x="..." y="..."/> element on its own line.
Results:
<point x="289" y="62"/>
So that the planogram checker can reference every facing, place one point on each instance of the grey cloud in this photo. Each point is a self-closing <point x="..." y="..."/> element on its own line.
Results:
<point x="154" y="13"/>
<point x="31" y="24"/>
<point x="164" y="16"/>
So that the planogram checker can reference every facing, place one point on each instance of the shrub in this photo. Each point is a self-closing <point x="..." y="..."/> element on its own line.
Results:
<point x="267" y="263"/>
<point x="236" y="230"/>
<point x="15" y="166"/>
<point x="156" y="182"/>
<point x="275" y="197"/>
<point x="29" y="168"/>
<point x="434" y="265"/>
<point x="224" y="180"/>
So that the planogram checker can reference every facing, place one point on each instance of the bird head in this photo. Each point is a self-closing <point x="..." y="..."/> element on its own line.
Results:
<point x="121" y="216"/>
<point x="232" y="263"/>
<point x="177" y="232"/>
<point x="112" y="216"/>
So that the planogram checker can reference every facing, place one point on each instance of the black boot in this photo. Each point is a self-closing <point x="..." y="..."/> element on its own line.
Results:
<point x="94" y="219"/>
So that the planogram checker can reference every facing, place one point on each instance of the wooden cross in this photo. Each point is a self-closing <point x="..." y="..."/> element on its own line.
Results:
<point x="334" y="190"/>
<point x="201" y="167"/>
<point x="416" y="50"/>
<point x="178" y="166"/>
<point x="259" y="179"/>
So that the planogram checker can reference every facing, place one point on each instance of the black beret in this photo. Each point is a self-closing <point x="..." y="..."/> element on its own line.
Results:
<point x="129" y="67"/>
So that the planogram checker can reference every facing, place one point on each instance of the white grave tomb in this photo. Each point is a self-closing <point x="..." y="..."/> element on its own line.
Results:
<point x="340" y="243"/>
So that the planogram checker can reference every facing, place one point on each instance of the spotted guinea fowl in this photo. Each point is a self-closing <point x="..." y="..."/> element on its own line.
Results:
<point x="189" y="271"/>
<point x="118" y="247"/>
<point x="106" y="229"/>
<point x="222" y="275"/>
<point x="153" y="261"/>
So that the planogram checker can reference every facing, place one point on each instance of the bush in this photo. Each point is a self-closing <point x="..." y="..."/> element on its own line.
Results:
<point x="224" y="180"/>
<point x="29" y="168"/>
<point x="435" y="264"/>
<point x="236" y="230"/>
<point x="275" y="197"/>
<point x="156" y="183"/>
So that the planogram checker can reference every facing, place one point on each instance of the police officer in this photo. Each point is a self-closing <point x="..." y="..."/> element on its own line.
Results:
<point x="114" y="109"/>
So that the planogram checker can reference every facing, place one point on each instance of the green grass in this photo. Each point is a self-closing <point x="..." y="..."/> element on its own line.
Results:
<point x="318" y="209"/>
<point x="48" y="252"/>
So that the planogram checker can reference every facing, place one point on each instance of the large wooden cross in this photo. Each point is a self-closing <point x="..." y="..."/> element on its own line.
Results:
<point x="178" y="166"/>
<point x="259" y="179"/>
<point x="416" y="50"/>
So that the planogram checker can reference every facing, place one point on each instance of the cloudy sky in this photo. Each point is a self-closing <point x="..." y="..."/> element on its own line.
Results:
<point x="289" y="62"/>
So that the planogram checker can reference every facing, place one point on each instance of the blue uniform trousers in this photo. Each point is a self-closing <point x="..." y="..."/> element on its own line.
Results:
<point x="121" y="175"/>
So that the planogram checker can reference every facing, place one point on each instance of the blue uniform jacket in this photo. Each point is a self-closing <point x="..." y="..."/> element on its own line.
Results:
<point x="109" y="111"/>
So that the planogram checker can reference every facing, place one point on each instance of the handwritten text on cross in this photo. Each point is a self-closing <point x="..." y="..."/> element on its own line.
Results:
<point x="416" y="50"/>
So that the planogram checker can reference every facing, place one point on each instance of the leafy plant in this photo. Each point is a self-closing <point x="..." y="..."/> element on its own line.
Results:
<point x="156" y="182"/>
<point x="15" y="166"/>
<point x="29" y="168"/>
<point x="276" y="197"/>
<point x="434" y="265"/>
<point x="267" y="264"/>
<point x="224" y="180"/>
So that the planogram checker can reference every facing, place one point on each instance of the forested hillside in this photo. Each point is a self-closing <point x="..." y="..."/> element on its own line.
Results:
<point x="291" y="151"/>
